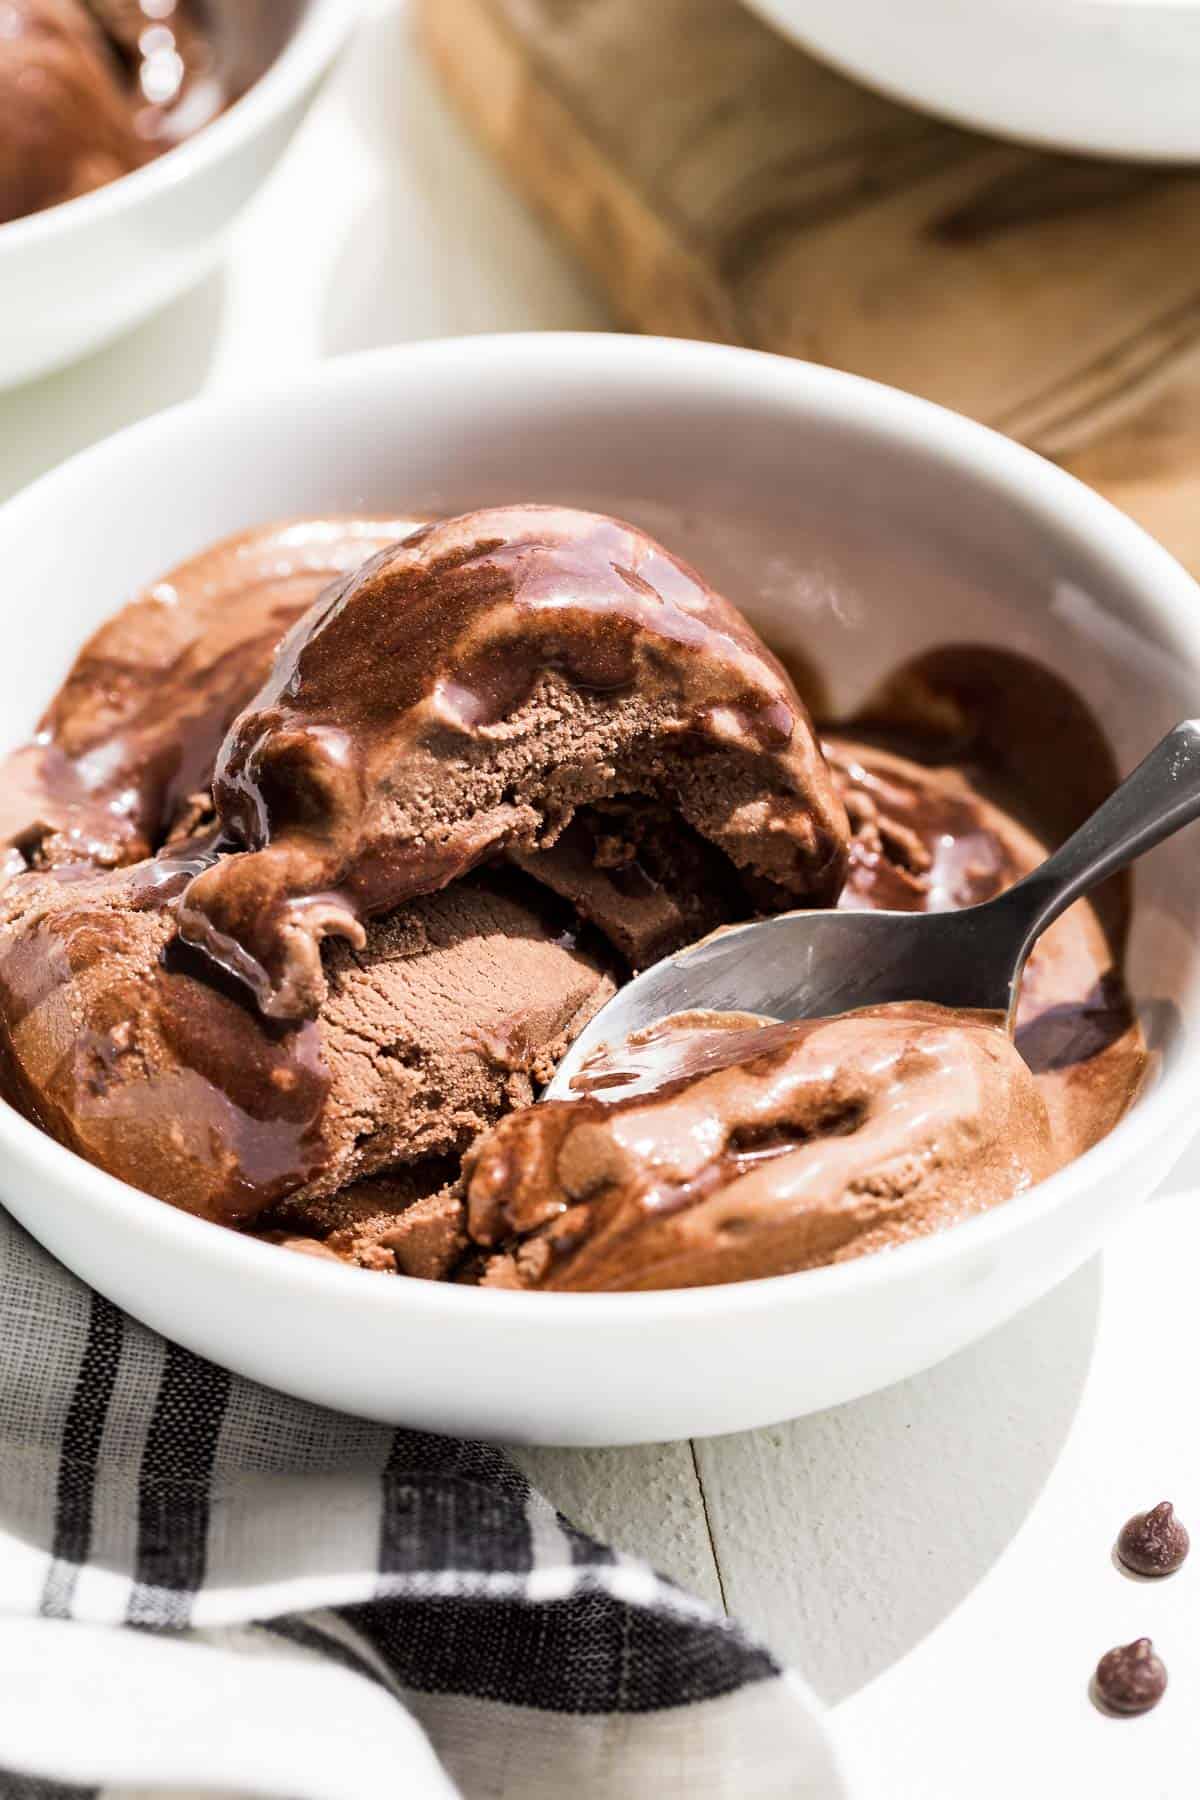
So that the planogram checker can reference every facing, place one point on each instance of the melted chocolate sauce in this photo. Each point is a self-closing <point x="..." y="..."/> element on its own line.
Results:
<point x="431" y="643"/>
<point x="434" y="649"/>
<point x="173" y="1067"/>
<point x="916" y="846"/>
<point x="133" y="734"/>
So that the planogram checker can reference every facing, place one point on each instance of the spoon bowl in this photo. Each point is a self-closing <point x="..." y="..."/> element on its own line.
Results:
<point x="804" y="965"/>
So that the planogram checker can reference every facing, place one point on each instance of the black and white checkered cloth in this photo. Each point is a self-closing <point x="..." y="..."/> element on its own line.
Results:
<point x="208" y="1586"/>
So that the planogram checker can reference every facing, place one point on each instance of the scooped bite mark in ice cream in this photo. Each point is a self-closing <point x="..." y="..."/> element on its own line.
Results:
<point x="716" y="1148"/>
<point x="464" y="695"/>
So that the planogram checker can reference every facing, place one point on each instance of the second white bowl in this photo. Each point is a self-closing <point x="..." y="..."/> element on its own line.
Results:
<point x="75" y="275"/>
<point x="1110" y="77"/>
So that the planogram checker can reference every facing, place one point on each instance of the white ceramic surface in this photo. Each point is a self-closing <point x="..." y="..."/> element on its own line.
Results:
<point x="852" y="522"/>
<point x="75" y="275"/>
<point x="1108" y="77"/>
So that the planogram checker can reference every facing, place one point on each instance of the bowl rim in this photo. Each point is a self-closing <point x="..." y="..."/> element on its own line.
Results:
<point x="947" y="86"/>
<point x="1024" y="480"/>
<point x="1084" y="12"/>
<point x="311" y="47"/>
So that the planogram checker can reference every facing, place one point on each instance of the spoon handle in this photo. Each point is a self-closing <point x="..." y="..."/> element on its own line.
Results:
<point x="1161" y="795"/>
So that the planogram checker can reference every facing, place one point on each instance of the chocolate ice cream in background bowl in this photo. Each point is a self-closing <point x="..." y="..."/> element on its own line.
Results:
<point x="131" y="133"/>
<point x="522" y="750"/>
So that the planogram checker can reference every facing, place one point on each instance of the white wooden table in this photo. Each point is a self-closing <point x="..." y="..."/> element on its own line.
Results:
<point x="936" y="1559"/>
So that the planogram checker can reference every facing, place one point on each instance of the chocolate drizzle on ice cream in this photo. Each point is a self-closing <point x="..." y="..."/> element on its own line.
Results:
<point x="464" y="694"/>
<point x="712" y="1149"/>
<point x="123" y="756"/>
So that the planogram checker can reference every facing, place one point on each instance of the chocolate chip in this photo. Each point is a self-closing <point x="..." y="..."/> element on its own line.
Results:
<point x="1153" y="1543"/>
<point x="1130" y="1679"/>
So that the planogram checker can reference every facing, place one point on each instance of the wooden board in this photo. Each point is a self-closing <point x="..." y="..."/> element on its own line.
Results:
<point x="719" y="183"/>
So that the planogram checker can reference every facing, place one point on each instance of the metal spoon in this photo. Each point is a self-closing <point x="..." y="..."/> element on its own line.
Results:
<point x="813" y="964"/>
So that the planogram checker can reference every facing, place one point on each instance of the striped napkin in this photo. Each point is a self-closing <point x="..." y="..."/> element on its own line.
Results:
<point x="208" y="1587"/>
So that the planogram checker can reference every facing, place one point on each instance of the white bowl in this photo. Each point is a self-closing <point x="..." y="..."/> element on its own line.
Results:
<point x="75" y="275"/>
<point x="851" y="521"/>
<point x="1108" y="77"/>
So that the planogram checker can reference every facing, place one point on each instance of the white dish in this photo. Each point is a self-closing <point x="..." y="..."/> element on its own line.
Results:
<point x="851" y="521"/>
<point x="75" y="275"/>
<point x="1108" y="77"/>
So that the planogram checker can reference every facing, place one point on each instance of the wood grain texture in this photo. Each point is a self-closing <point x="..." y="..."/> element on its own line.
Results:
<point x="1147" y="459"/>
<point x="719" y="183"/>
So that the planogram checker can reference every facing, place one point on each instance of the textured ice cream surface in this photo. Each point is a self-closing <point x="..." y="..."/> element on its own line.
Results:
<point x="90" y="90"/>
<point x="713" y="1149"/>
<point x="119" y="1042"/>
<point x="924" y="836"/>
<point x="444" y="779"/>
<point x="124" y="754"/>
<point x="637" y="872"/>
<point x="464" y="694"/>
<point x="409" y="1222"/>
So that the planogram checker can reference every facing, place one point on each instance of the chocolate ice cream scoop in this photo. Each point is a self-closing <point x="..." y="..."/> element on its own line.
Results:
<point x="721" y="1149"/>
<point x="65" y="121"/>
<point x="464" y="694"/>
<point x="89" y="92"/>
<point x="125" y="751"/>
<point x="117" y="1040"/>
